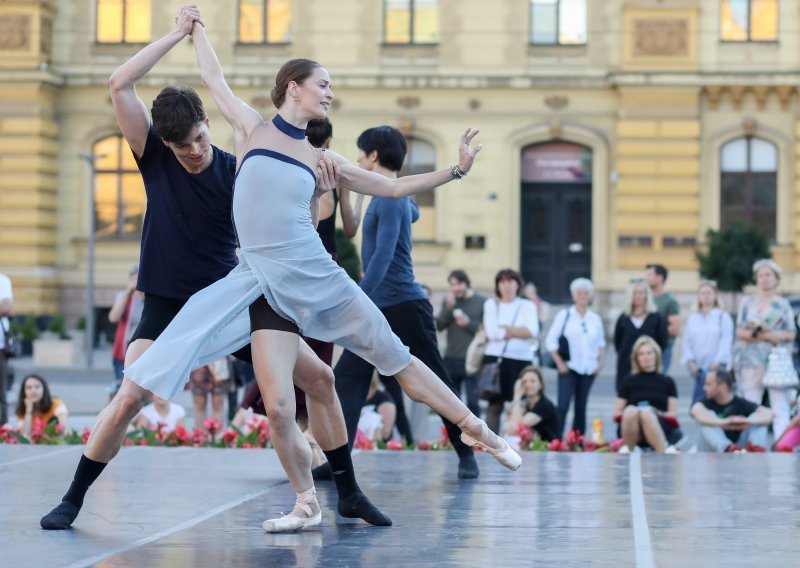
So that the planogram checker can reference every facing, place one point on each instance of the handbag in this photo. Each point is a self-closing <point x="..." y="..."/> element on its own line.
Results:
<point x="475" y="351"/>
<point x="780" y="370"/>
<point x="489" y="386"/>
<point x="563" y="346"/>
<point x="11" y="345"/>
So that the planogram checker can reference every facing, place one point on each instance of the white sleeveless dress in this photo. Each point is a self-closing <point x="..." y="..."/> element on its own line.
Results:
<point x="281" y="257"/>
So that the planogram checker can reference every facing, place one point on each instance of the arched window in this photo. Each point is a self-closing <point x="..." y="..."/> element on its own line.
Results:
<point x="123" y="21"/>
<point x="749" y="181"/>
<point x="420" y="159"/>
<point x="119" y="190"/>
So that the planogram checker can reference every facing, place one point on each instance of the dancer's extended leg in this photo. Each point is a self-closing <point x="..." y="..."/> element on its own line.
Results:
<point x="422" y="385"/>
<point x="328" y="427"/>
<point x="104" y="443"/>
<point x="274" y="356"/>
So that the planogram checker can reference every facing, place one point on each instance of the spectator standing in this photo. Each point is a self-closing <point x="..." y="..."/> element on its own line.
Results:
<point x="461" y="315"/>
<point x="126" y="313"/>
<point x="727" y="421"/>
<point x="530" y="406"/>
<point x="6" y="309"/>
<point x="214" y="380"/>
<point x="708" y="339"/>
<point x="639" y="317"/>
<point x="512" y="325"/>
<point x="647" y="406"/>
<point x="667" y="306"/>
<point x="765" y="320"/>
<point x="35" y="402"/>
<point x="585" y="335"/>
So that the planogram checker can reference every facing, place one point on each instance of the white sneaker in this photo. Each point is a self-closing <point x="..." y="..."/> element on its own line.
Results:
<point x="672" y="450"/>
<point x="623" y="449"/>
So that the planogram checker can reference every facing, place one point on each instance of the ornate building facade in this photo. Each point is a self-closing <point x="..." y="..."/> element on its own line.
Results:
<point x="616" y="132"/>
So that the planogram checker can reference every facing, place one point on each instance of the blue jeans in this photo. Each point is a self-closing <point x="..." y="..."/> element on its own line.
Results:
<point x="569" y="385"/>
<point x="667" y="359"/>
<point x="699" y="381"/>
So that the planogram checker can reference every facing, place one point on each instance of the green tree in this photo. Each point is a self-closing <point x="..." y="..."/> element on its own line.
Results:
<point x="730" y="254"/>
<point x="348" y="256"/>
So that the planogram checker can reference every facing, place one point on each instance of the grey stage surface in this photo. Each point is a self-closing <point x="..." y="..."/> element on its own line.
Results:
<point x="204" y="507"/>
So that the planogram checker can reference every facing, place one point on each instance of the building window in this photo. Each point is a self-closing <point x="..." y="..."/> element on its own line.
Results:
<point x="558" y="22"/>
<point x="264" y="21"/>
<point x="421" y="159"/>
<point x="411" y="21"/>
<point x="119" y="190"/>
<point x="123" y="21"/>
<point x="749" y="182"/>
<point x="749" y="20"/>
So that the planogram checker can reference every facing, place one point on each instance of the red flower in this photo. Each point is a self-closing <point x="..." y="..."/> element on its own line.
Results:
<point x="424" y="446"/>
<point x="445" y="435"/>
<point x="557" y="446"/>
<point x="617" y="445"/>
<point x="127" y="442"/>
<point x="229" y="436"/>
<point x="85" y="435"/>
<point x="211" y="426"/>
<point x="59" y="429"/>
<point x="394" y="445"/>
<point x="751" y="447"/>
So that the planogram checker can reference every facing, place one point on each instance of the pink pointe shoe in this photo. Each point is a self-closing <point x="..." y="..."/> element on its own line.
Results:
<point x="305" y="514"/>
<point x="504" y="454"/>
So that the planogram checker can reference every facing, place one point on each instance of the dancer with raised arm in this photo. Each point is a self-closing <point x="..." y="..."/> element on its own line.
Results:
<point x="286" y="280"/>
<point x="188" y="242"/>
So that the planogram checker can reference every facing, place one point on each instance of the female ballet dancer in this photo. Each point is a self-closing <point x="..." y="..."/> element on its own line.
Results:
<point x="286" y="280"/>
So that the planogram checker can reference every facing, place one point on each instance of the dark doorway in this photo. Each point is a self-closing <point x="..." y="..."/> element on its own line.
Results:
<point x="556" y="218"/>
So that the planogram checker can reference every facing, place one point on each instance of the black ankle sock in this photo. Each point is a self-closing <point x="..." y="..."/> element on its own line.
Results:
<point x="343" y="473"/>
<point x="88" y="470"/>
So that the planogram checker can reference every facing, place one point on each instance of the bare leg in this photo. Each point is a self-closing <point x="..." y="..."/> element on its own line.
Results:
<point x="324" y="410"/>
<point x="217" y="406"/>
<point x="652" y="432"/>
<point x="422" y="385"/>
<point x="200" y="403"/>
<point x="103" y="444"/>
<point x="631" y="431"/>
<point x="274" y="355"/>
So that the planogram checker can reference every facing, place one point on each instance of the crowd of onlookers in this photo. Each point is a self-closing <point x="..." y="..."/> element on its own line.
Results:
<point x="743" y="382"/>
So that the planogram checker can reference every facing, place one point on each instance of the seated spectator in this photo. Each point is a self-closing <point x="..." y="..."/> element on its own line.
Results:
<point x="728" y="422"/>
<point x="215" y="380"/>
<point x="647" y="406"/>
<point x="161" y="412"/>
<point x="34" y="402"/>
<point x="530" y="406"/>
<point x="378" y="413"/>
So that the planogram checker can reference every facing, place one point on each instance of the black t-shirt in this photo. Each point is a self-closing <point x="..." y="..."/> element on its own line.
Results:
<point x="548" y="428"/>
<point x="737" y="407"/>
<point x="653" y="388"/>
<point x="188" y="239"/>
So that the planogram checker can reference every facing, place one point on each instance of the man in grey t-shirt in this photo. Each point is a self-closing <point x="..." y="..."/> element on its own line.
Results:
<point x="461" y="315"/>
<point x="667" y="305"/>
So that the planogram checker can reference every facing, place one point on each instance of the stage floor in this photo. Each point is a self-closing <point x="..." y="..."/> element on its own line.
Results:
<point x="204" y="507"/>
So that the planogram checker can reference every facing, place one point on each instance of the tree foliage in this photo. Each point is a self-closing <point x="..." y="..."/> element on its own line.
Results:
<point x="730" y="254"/>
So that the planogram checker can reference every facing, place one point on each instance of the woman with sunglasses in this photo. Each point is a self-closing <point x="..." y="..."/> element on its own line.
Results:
<point x="708" y="338"/>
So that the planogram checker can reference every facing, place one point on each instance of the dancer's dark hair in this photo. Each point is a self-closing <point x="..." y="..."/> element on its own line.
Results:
<point x="388" y="142"/>
<point x="176" y="110"/>
<point x="318" y="131"/>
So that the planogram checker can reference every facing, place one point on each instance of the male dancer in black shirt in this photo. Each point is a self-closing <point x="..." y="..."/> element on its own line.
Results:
<point x="188" y="242"/>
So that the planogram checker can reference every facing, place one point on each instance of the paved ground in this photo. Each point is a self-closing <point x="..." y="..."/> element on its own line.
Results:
<point x="168" y="507"/>
<point x="84" y="392"/>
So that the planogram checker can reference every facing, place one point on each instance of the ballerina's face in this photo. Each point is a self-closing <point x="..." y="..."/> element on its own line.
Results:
<point x="314" y="95"/>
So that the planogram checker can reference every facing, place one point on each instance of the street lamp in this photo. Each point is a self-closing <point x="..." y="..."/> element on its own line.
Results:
<point x="90" y="159"/>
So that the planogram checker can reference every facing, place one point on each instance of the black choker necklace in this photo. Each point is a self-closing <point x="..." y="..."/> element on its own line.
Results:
<point x="288" y="129"/>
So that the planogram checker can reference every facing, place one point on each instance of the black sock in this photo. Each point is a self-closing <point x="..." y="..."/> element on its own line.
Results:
<point x="343" y="473"/>
<point x="88" y="471"/>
